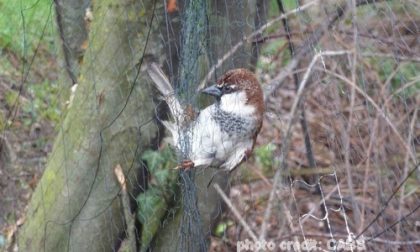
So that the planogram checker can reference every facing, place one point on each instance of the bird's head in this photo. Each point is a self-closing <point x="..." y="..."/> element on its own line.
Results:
<point x="238" y="91"/>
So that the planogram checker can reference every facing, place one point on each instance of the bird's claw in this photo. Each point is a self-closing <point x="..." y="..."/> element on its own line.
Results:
<point x="185" y="165"/>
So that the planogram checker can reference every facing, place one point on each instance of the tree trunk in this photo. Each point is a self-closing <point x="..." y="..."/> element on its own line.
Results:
<point x="75" y="206"/>
<point x="72" y="22"/>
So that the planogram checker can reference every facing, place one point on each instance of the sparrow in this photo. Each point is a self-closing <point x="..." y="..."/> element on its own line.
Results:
<point x="224" y="133"/>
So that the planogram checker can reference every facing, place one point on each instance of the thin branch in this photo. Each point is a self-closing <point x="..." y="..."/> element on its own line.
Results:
<point x="303" y="219"/>
<point x="308" y="45"/>
<point x="128" y="216"/>
<point x="287" y="136"/>
<point x="402" y="88"/>
<point x="367" y="167"/>
<point x="392" y="225"/>
<point x="303" y="122"/>
<point x="405" y="172"/>
<point x="346" y="135"/>
<point x="259" y="40"/>
<point x="236" y="213"/>
<point x="373" y="103"/>
<point x="250" y="37"/>
<point x="393" y="56"/>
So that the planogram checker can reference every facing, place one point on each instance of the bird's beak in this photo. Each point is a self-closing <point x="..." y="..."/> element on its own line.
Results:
<point x="213" y="91"/>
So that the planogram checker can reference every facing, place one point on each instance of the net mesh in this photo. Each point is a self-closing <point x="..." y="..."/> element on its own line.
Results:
<point x="335" y="166"/>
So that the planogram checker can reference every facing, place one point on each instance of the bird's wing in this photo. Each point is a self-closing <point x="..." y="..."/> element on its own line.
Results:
<point x="237" y="157"/>
<point x="165" y="88"/>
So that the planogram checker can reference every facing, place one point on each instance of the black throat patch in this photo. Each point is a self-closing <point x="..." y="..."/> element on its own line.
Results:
<point x="233" y="124"/>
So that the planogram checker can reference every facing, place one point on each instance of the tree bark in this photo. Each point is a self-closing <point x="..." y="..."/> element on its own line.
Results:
<point x="75" y="206"/>
<point x="72" y="24"/>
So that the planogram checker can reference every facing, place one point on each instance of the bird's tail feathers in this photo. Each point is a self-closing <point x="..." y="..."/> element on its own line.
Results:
<point x="161" y="81"/>
<point x="170" y="126"/>
<point x="165" y="88"/>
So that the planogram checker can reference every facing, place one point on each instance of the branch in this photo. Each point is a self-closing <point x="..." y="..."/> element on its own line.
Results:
<point x="376" y="106"/>
<point x="250" y="37"/>
<point x="308" y="45"/>
<point x="236" y="213"/>
<point x="393" y="56"/>
<point x="287" y="135"/>
<point x="128" y="216"/>
<point x="303" y="122"/>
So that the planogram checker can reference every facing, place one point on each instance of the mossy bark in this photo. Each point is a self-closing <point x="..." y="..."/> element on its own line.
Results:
<point x="76" y="206"/>
<point x="73" y="20"/>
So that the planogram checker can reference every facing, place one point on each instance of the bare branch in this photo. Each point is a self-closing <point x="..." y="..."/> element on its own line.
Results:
<point x="250" y="37"/>
<point x="236" y="213"/>
<point x="405" y="173"/>
<point x="287" y="135"/>
<point x="392" y="56"/>
<point x="381" y="112"/>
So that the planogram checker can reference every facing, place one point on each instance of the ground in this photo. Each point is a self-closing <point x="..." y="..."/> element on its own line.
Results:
<point x="28" y="129"/>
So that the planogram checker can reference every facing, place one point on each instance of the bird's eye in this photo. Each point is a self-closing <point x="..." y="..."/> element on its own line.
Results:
<point x="227" y="88"/>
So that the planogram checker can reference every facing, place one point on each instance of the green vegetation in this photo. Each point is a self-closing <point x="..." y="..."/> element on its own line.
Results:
<point x="27" y="26"/>
<point x="23" y="23"/>
<point x="405" y="74"/>
<point x="11" y="97"/>
<point x="154" y="202"/>
<point x="222" y="226"/>
<point x="264" y="156"/>
<point x="45" y="102"/>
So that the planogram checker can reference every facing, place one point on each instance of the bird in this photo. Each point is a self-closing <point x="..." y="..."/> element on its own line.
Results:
<point x="224" y="133"/>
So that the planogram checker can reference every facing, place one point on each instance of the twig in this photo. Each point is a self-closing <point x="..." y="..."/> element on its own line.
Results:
<point x="308" y="46"/>
<point x="289" y="219"/>
<point x="273" y="36"/>
<point x="405" y="172"/>
<point x="373" y="103"/>
<point x="287" y="135"/>
<point x="393" y="56"/>
<point x="367" y="168"/>
<point x="302" y="119"/>
<point x="346" y="135"/>
<point x="310" y="213"/>
<point x="260" y="18"/>
<point x="347" y="130"/>
<point x="236" y="213"/>
<point x="373" y="139"/>
<point x="276" y="82"/>
<point x="383" y="40"/>
<point x="129" y="217"/>
<point x="399" y="90"/>
<point x="303" y="122"/>
<point x="247" y="38"/>
<point x="390" y="226"/>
